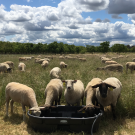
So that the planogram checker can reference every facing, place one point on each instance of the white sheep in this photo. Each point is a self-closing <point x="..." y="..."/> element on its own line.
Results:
<point x="105" y="59"/>
<point x="10" y="63"/>
<point x="23" y="94"/>
<point x="53" y="92"/>
<point x="63" y="65"/>
<point x="74" y="92"/>
<point x="112" y="67"/>
<point x="82" y="59"/>
<point x="45" y="64"/>
<point x="21" y="66"/>
<point x="108" y="93"/>
<point x="61" y="57"/>
<point x="4" y="68"/>
<point x="22" y="59"/>
<point x="111" y="62"/>
<point x="131" y="66"/>
<point x="55" y="73"/>
<point x="90" y="94"/>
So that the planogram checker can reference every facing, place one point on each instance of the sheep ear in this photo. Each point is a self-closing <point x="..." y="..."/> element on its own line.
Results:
<point x="74" y="81"/>
<point x="108" y="85"/>
<point x="41" y="108"/>
<point x="95" y="86"/>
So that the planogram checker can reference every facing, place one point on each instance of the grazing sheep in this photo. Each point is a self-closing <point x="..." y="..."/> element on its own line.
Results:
<point x="63" y="65"/>
<point x="131" y="66"/>
<point x="82" y="59"/>
<point x="22" y="94"/>
<point x="114" y="57"/>
<point x="41" y="60"/>
<point x="5" y="68"/>
<point x="39" y="56"/>
<point x="45" y="64"/>
<point x="28" y="58"/>
<point x="22" y="59"/>
<point x="10" y="63"/>
<point x="111" y="62"/>
<point x="74" y="92"/>
<point x="21" y="66"/>
<point x="53" y="92"/>
<point x="61" y="57"/>
<point x="105" y="59"/>
<point x="121" y="56"/>
<point x="112" y="67"/>
<point x="133" y="59"/>
<point x="55" y="73"/>
<point x="108" y="93"/>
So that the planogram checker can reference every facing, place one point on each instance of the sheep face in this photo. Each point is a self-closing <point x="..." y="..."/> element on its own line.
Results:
<point x="9" y="70"/>
<point x="69" y="84"/>
<point x="103" y="88"/>
<point x="35" y="111"/>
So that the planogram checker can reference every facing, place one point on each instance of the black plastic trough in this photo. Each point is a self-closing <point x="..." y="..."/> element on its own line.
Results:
<point x="65" y="118"/>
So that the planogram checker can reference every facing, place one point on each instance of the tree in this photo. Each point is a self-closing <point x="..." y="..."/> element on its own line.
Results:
<point x="119" y="48"/>
<point x="105" y="46"/>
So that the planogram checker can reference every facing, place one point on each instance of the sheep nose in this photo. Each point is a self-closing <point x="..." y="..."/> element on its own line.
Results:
<point x="68" y="88"/>
<point x="104" y="95"/>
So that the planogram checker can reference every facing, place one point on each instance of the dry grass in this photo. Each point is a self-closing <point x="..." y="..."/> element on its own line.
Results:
<point x="37" y="78"/>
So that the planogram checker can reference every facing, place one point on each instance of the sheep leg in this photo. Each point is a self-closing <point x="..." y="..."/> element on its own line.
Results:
<point x="59" y="99"/>
<point x="113" y="111"/>
<point x="24" y="112"/>
<point x="102" y="108"/>
<point x="11" y="104"/>
<point x="55" y="102"/>
<point x="7" y="105"/>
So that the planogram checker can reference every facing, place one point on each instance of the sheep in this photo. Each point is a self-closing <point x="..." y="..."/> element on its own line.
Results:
<point x="90" y="94"/>
<point x="108" y="93"/>
<point x="55" y="73"/>
<point x="53" y="92"/>
<point x="82" y="59"/>
<point x="5" y="68"/>
<point x="131" y="66"/>
<point x="74" y="92"/>
<point x="10" y="63"/>
<point x="114" y="57"/>
<point x="63" y="65"/>
<point x="112" y="67"/>
<point x="61" y="57"/>
<point x="133" y="59"/>
<point x="28" y="58"/>
<point x="105" y="59"/>
<point x="22" y="59"/>
<point x="45" y="64"/>
<point x="21" y="66"/>
<point x="41" y="60"/>
<point x="50" y="57"/>
<point x="23" y="94"/>
<point x="111" y="62"/>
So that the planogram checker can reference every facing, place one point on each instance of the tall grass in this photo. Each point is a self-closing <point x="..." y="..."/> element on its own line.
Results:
<point x="37" y="78"/>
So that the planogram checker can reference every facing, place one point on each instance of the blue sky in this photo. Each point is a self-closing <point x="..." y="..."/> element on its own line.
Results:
<point x="76" y="22"/>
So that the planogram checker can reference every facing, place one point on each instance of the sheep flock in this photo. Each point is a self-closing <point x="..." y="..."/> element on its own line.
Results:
<point x="62" y="79"/>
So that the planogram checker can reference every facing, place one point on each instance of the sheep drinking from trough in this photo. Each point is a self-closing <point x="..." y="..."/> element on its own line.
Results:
<point x="108" y="93"/>
<point x="74" y="92"/>
<point x="53" y="92"/>
<point x="23" y="94"/>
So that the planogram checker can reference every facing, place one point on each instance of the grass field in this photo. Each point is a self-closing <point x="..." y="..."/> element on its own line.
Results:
<point x="37" y="78"/>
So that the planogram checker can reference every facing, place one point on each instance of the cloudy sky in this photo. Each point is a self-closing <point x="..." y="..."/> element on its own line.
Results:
<point x="78" y="22"/>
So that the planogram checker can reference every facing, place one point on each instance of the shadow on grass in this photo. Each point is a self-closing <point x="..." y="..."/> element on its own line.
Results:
<point x="14" y="119"/>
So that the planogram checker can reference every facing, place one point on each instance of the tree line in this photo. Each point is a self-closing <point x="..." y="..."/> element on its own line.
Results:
<point x="60" y="48"/>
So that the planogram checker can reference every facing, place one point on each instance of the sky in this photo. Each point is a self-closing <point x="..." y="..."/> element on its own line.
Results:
<point x="78" y="22"/>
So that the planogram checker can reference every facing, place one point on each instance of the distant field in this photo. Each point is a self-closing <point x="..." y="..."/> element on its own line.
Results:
<point x="37" y="78"/>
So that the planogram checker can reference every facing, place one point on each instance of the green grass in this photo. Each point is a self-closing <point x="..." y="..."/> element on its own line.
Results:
<point x="37" y="78"/>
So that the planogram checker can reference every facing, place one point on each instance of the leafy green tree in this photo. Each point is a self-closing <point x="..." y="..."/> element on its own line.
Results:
<point x="119" y="48"/>
<point x="105" y="46"/>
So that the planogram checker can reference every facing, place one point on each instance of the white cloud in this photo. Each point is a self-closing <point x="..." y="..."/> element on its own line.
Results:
<point x="63" y="24"/>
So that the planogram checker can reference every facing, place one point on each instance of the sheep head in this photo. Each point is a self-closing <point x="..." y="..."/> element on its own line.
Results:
<point x="103" y="88"/>
<point x="69" y="84"/>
